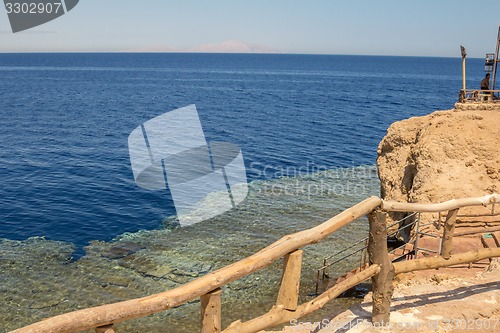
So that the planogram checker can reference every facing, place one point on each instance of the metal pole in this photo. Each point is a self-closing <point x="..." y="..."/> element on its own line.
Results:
<point x="417" y="234"/>
<point x="495" y="64"/>
<point x="464" y="54"/>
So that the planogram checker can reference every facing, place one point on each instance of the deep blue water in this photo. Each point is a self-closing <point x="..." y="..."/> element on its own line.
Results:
<point x="65" y="119"/>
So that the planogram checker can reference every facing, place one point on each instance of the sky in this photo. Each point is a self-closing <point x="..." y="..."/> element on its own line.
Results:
<point x="367" y="27"/>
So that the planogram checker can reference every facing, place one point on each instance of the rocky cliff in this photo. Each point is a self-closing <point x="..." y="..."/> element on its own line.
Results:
<point x="442" y="156"/>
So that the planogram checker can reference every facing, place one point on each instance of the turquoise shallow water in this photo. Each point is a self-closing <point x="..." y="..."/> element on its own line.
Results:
<point x="40" y="279"/>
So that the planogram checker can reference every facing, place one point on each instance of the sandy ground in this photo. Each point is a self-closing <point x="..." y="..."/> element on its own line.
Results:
<point x="458" y="299"/>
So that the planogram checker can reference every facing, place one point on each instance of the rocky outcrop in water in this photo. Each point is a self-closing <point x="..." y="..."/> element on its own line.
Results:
<point x="442" y="156"/>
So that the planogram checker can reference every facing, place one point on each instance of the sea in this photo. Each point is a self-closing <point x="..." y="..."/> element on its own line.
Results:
<point x="308" y="127"/>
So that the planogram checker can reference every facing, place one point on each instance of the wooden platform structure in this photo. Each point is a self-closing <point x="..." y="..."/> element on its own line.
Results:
<point x="481" y="99"/>
<point x="472" y="100"/>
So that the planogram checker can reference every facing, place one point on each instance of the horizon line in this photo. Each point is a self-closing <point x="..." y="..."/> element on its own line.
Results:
<point x="229" y="53"/>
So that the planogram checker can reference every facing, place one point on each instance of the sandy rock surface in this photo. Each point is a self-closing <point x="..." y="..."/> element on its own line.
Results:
<point x="444" y="155"/>
<point x="441" y="156"/>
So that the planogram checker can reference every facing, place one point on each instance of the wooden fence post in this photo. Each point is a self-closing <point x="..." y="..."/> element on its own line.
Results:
<point x="105" y="329"/>
<point x="449" y="229"/>
<point x="382" y="288"/>
<point x="211" y="312"/>
<point x="288" y="295"/>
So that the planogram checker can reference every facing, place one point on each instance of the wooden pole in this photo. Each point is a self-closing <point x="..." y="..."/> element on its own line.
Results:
<point x="288" y="295"/>
<point x="464" y="55"/>
<point x="495" y="64"/>
<point x="437" y="262"/>
<point x="211" y="312"/>
<point x="449" y="229"/>
<point x="382" y="287"/>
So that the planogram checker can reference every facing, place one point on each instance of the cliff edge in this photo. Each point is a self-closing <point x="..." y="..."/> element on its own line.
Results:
<point x="442" y="156"/>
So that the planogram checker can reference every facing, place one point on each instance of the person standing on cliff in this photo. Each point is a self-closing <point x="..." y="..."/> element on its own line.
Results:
<point x="485" y="84"/>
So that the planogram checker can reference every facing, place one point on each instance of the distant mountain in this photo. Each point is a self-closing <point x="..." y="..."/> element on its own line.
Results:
<point x="154" y="48"/>
<point x="230" y="46"/>
<point x="233" y="46"/>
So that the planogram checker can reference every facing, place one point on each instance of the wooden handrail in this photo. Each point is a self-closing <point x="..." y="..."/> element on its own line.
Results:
<point x="286" y="309"/>
<point x="438" y="262"/>
<point x="140" y="307"/>
<point x="393" y="206"/>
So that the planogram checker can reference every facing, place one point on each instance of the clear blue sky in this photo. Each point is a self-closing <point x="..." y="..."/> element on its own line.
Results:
<point x="383" y="27"/>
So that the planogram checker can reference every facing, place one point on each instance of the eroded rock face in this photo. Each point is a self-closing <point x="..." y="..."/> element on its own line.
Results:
<point x="442" y="156"/>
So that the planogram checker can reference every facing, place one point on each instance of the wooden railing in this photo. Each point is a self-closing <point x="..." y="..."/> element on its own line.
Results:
<point x="208" y="287"/>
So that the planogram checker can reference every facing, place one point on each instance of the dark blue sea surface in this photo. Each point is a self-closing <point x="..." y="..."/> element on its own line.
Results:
<point x="65" y="119"/>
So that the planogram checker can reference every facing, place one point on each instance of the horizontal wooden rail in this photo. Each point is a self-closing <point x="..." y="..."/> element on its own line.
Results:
<point x="140" y="307"/>
<point x="392" y="206"/>
<point x="480" y="230"/>
<point x="438" y="262"/>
